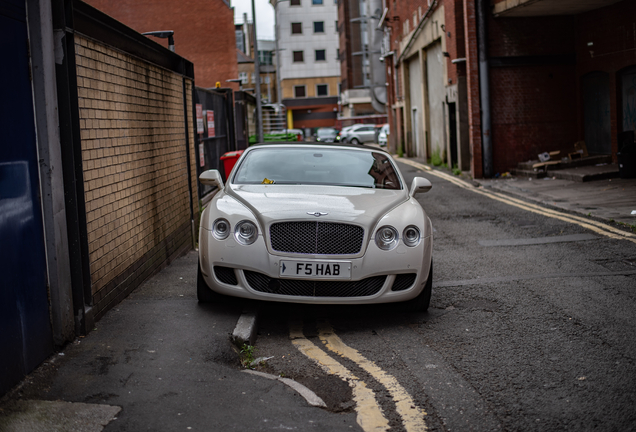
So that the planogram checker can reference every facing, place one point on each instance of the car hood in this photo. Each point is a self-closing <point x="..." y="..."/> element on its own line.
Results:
<point x="361" y="206"/>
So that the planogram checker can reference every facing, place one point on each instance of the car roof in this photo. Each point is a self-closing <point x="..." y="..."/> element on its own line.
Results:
<point x="317" y="144"/>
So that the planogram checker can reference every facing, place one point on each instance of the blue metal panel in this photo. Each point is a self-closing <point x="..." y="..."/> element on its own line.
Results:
<point x="25" y="336"/>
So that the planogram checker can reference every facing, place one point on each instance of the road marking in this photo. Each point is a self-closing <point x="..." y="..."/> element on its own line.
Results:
<point x="370" y="416"/>
<point x="597" y="227"/>
<point x="412" y="415"/>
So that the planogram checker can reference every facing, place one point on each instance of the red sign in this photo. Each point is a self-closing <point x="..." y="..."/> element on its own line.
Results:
<point x="211" y="131"/>
<point x="199" y="109"/>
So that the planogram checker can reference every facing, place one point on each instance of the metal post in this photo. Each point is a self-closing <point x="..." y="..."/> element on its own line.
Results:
<point x="279" y="94"/>
<point x="484" y="90"/>
<point x="257" y="75"/>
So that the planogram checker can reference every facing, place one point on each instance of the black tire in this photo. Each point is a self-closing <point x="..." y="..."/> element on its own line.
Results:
<point x="355" y="141"/>
<point x="423" y="300"/>
<point x="204" y="293"/>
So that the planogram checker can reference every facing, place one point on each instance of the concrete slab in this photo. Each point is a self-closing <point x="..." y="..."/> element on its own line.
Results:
<point x="610" y="200"/>
<point x="38" y="415"/>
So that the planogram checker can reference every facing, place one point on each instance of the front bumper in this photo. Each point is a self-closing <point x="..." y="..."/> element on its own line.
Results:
<point x="253" y="272"/>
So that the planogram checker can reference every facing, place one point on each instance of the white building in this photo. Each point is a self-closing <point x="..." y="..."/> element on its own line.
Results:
<point x="309" y="69"/>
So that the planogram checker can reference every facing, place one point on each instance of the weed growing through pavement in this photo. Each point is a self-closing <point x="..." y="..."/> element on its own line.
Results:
<point x="247" y="355"/>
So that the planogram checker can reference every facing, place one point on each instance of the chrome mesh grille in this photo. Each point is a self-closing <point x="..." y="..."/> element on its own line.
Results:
<point x="309" y="288"/>
<point x="318" y="238"/>
<point x="403" y="281"/>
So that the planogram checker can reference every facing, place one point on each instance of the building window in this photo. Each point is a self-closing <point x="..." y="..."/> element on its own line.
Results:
<point x="322" y="90"/>
<point x="243" y="77"/>
<point x="299" y="91"/>
<point x="297" y="28"/>
<point x="267" y="81"/>
<point x="265" y="57"/>
<point x="316" y="2"/>
<point x="337" y="53"/>
<point x="319" y="26"/>
<point x="298" y="57"/>
<point x="240" y="45"/>
<point x="294" y="3"/>
<point x="336" y="27"/>
<point x="320" y="55"/>
<point x="253" y="79"/>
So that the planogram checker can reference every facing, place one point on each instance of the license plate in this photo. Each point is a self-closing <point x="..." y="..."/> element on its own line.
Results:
<point x="314" y="269"/>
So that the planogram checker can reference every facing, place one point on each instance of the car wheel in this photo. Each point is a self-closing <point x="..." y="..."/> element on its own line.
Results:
<point x="423" y="300"/>
<point x="204" y="293"/>
<point x="355" y="141"/>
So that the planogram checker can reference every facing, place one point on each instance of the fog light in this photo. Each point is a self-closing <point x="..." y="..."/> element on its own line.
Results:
<point x="246" y="232"/>
<point x="386" y="238"/>
<point x="411" y="236"/>
<point x="221" y="229"/>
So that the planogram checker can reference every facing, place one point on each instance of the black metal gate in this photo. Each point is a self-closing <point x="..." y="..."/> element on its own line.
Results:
<point x="214" y="130"/>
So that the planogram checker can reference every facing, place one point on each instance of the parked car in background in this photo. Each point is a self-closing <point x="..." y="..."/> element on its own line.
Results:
<point x="343" y="132"/>
<point x="383" y="136"/>
<point x="358" y="134"/>
<point x="316" y="223"/>
<point x="326" y="134"/>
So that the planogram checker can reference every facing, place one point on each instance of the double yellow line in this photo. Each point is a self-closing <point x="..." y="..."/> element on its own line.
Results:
<point x="597" y="227"/>
<point x="369" y="413"/>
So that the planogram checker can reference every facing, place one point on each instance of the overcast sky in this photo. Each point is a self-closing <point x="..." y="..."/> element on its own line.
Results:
<point x="264" y="16"/>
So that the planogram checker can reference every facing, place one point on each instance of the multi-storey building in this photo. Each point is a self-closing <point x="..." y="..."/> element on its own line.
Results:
<point x="308" y="59"/>
<point x="363" y="81"/>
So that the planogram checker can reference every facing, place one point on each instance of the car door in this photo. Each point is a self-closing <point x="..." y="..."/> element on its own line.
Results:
<point x="367" y="133"/>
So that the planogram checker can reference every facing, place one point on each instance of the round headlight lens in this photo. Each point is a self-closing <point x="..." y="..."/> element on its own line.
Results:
<point x="221" y="229"/>
<point x="411" y="236"/>
<point x="245" y="232"/>
<point x="386" y="237"/>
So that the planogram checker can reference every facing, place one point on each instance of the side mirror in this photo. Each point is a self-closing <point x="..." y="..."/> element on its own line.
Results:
<point x="211" y="178"/>
<point x="420" y="185"/>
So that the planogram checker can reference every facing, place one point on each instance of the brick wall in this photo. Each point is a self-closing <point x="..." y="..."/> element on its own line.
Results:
<point x="532" y="87"/>
<point x="204" y="32"/>
<point x="135" y="168"/>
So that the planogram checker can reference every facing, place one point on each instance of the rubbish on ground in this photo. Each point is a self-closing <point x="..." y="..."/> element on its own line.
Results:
<point x="544" y="157"/>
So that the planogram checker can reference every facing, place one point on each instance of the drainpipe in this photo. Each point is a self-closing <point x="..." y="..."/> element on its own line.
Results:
<point x="484" y="89"/>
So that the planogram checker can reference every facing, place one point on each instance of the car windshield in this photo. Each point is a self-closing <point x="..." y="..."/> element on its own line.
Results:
<point x="317" y="166"/>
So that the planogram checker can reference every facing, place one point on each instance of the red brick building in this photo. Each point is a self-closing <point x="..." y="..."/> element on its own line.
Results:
<point x="203" y="32"/>
<point x="557" y="72"/>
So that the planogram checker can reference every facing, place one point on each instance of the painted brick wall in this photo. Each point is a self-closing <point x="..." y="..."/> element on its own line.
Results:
<point x="204" y="32"/>
<point x="135" y="170"/>
<point x="533" y="106"/>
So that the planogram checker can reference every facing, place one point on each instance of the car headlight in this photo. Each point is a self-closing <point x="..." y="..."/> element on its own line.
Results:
<point x="386" y="237"/>
<point x="221" y="229"/>
<point x="411" y="236"/>
<point x="245" y="232"/>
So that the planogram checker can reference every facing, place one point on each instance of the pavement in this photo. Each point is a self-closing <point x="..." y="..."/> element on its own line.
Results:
<point x="610" y="200"/>
<point x="161" y="361"/>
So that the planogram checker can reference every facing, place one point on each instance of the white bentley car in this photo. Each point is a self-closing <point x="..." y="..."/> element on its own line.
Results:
<point x="316" y="223"/>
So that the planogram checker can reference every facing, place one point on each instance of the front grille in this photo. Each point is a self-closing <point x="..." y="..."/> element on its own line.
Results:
<point x="318" y="238"/>
<point x="308" y="288"/>
<point x="403" y="281"/>
<point x="225" y="275"/>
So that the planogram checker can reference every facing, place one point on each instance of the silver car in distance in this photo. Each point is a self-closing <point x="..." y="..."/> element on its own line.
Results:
<point x="316" y="223"/>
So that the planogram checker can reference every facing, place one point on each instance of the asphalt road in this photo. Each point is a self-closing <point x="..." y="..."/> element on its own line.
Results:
<point x="524" y="333"/>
